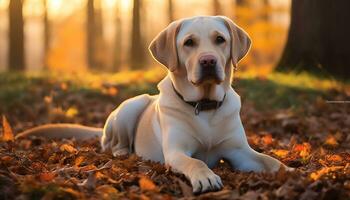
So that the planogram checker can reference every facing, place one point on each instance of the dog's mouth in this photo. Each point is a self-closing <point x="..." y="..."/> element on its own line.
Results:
<point x="208" y="77"/>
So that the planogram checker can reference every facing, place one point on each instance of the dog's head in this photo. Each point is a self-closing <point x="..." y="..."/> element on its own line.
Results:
<point x="199" y="52"/>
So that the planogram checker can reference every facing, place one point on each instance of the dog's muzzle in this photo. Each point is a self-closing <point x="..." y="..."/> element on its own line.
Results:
<point x="208" y="73"/>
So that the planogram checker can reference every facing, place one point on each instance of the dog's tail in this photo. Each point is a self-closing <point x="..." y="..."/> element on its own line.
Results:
<point x="118" y="132"/>
<point x="58" y="131"/>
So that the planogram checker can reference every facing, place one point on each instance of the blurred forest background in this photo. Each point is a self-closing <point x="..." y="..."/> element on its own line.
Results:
<point x="82" y="58"/>
<point x="100" y="35"/>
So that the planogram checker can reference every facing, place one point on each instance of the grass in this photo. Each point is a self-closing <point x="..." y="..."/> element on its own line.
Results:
<point x="273" y="91"/>
<point x="281" y="90"/>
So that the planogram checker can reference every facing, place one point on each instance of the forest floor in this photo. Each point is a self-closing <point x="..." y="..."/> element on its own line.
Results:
<point x="285" y="116"/>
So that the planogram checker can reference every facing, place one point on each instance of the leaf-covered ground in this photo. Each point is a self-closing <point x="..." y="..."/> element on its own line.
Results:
<point x="284" y="116"/>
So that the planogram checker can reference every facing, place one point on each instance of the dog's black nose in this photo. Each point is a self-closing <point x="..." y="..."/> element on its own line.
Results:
<point x="207" y="61"/>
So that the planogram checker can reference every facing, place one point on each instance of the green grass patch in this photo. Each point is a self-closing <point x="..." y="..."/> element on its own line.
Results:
<point x="275" y="91"/>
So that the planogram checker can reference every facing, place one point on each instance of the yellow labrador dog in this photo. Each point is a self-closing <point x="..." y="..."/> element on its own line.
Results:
<point x="194" y="121"/>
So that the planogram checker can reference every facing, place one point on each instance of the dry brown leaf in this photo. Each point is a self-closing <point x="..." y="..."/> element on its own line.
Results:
<point x="79" y="160"/>
<point x="325" y="170"/>
<point x="146" y="184"/>
<point x="334" y="158"/>
<point x="106" y="191"/>
<point x="90" y="182"/>
<point x="69" y="148"/>
<point x="88" y="168"/>
<point x="331" y="141"/>
<point x="185" y="189"/>
<point x="73" y="192"/>
<point x="7" y="130"/>
<point x="6" y="159"/>
<point x="47" y="176"/>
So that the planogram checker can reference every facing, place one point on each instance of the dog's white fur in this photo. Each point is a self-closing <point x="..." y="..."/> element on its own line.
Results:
<point x="164" y="128"/>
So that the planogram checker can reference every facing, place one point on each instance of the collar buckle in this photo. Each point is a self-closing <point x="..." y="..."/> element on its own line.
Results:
<point x="197" y="108"/>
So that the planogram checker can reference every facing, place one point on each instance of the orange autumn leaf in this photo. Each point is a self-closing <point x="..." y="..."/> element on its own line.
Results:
<point x="253" y="139"/>
<point x="303" y="149"/>
<point x="79" y="160"/>
<point x="68" y="148"/>
<point x="146" y="184"/>
<point x="72" y="192"/>
<point x="331" y="141"/>
<point x="267" y="139"/>
<point x="64" y="86"/>
<point x="106" y="191"/>
<point x="47" y="176"/>
<point x="7" y="130"/>
<point x="318" y="174"/>
<point x="112" y="91"/>
<point x="334" y="158"/>
<point x="88" y="168"/>
<point x="280" y="153"/>
<point x="71" y="112"/>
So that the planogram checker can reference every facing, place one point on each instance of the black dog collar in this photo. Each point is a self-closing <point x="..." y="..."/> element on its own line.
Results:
<point x="203" y="104"/>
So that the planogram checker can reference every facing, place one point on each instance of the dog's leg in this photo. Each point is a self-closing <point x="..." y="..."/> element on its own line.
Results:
<point x="242" y="157"/>
<point x="201" y="177"/>
<point x="119" y="129"/>
<point x="177" y="154"/>
<point x="247" y="159"/>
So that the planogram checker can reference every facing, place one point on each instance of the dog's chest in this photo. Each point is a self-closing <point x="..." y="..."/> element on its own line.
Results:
<point x="210" y="130"/>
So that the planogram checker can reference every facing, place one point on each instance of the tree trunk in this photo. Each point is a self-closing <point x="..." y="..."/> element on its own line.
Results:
<point x="46" y="33"/>
<point x="266" y="11"/>
<point x="318" y="39"/>
<point x="95" y="42"/>
<point x="170" y="10"/>
<point x="241" y="2"/>
<point x="118" y="38"/>
<point x="16" y="36"/>
<point x="217" y="7"/>
<point x="137" y="56"/>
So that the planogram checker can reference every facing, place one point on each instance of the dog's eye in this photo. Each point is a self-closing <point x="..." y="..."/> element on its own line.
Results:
<point x="189" y="43"/>
<point x="219" y="40"/>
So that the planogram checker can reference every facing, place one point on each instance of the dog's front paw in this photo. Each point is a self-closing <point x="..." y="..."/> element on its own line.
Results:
<point x="204" y="180"/>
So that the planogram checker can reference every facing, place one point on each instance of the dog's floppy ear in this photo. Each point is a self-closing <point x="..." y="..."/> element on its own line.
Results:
<point x="240" y="41"/>
<point x="163" y="46"/>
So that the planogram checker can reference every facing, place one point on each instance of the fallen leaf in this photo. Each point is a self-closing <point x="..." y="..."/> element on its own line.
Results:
<point x="223" y="194"/>
<point x="72" y="192"/>
<point x="90" y="182"/>
<point x="88" y="168"/>
<point x="267" y="139"/>
<point x="334" y="158"/>
<point x="146" y="184"/>
<point x="185" y="189"/>
<point x="69" y="148"/>
<point x="331" y="141"/>
<point x="6" y="159"/>
<point x="7" y="134"/>
<point x="64" y="86"/>
<point x="325" y="170"/>
<point x="71" y="112"/>
<point x="280" y="153"/>
<point x="47" y="176"/>
<point x="79" y="160"/>
<point x="303" y="149"/>
<point x="107" y="191"/>
<point x="112" y="91"/>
